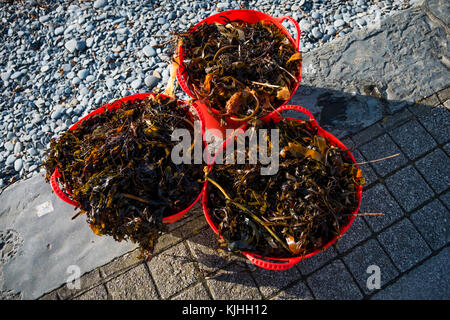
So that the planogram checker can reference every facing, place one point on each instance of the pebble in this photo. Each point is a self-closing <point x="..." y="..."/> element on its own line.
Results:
<point x="339" y="23"/>
<point x="18" y="164"/>
<point x="305" y="25"/>
<point x="151" y="81"/>
<point x="316" y="33"/>
<point x="136" y="84"/>
<point x="99" y="4"/>
<point x="149" y="51"/>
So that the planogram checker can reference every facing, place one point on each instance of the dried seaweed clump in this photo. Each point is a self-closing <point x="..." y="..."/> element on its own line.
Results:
<point x="243" y="70"/>
<point x="293" y="212"/>
<point x="117" y="166"/>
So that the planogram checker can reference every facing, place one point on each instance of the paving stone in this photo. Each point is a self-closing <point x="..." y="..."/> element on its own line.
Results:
<point x="196" y="292"/>
<point x="120" y="264"/>
<point x="135" y="284"/>
<point x="86" y="281"/>
<point x="430" y="101"/>
<point x="357" y="232"/>
<point x="428" y="281"/>
<point x="370" y="253"/>
<point x="334" y="283"/>
<point x="165" y="241"/>
<point x="445" y="198"/>
<point x="435" y="120"/>
<point x="446" y="147"/>
<point x="270" y="282"/>
<point x="193" y="226"/>
<point x="382" y="147"/>
<point x="233" y="282"/>
<point x="413" y="139"/>
<point x="173" y="270"/>
<point x="444" y="95"/>
<point x="435" y="168"/>
<point x="97" y="293"/>
<point x="392" y="121"/>
<point x="207" y="253"/>
<point x="308" y="265"/>
<point x="378" y="200"/>
<point x="433" y="221"/>
<point x="298" y="291"/>
<point x="404" y="244"/>
<point x="367" y="134"/>
<point x="50" y="296"/>
<point x="409" y="188"/>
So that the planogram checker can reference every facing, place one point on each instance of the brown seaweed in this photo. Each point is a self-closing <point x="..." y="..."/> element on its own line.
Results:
<point x="117" y="166"/>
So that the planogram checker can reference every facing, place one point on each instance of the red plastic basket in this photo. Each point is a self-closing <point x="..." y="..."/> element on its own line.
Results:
<point x="250" y="16"/>
<point x="286" y="263"/>
<point x="65" y="195"/>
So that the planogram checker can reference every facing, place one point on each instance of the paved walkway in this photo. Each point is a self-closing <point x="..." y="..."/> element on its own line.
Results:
<point x="383" y="91"/>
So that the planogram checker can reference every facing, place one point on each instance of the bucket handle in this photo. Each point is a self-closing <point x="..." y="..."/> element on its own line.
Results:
<point x="276" y="114"/>
<point x="297" y="27"/>
<point x="283" y="264"/>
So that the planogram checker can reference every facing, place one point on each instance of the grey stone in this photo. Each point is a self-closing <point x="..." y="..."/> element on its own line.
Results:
<point x="233" y="282"/>
<point x="9" y="146"/>
<point x="404" y="245"/>
<point x="59" y="30"/>
<point x="428" y="281"/>
<point x="151" y="81"/>
<point x="370" y="253"/>
<point x="381" y="147"/>
<point x="298" y="291"/>
<point x="149" y="51"/>
<point x="71" y="45"/>
<point x="82" y="74"/>
<point x="308" y="265"/>
<point x="413" y="139"/>
<point x="100" y="4"/>
<point x="339" y="23"/>
<point x="46" y="252"/>
<point x="378" y="200"/>
<point x="270" y="282"/>
<point x="433" y="221"/>
<point x="334" y="283"/>
<point x="97" y="293"/>
<point x="445" y="198"/>
<point x="173" y="270"/>
<point x="18" y="164"/>
<point x="435" y="168"/>
<point x="305" y="25"/>
<point x="357" y="232"/>
<point x="354" y="61"/>
<point x="136" y="84"/>
<point x="316" y="33"/>
<point x="134" y="284"/>
<point x="17" y="147"/>
<point x="204" y="248"/>
<point x="409" y="188"/>
<point x="196" y="292"/>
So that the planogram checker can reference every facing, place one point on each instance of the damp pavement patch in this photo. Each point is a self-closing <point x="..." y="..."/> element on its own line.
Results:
<point x="40" y="246"/>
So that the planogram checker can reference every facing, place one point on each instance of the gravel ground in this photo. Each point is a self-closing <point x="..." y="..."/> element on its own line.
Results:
<point x="59" y="60"/>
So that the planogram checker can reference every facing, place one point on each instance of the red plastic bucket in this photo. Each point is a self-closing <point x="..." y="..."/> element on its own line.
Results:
<point x="250" y="16"/>
<point x="286" y="263"/>
<point x="63" y="195"/>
